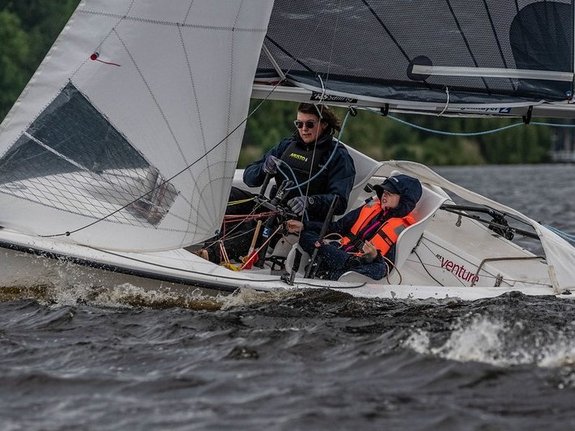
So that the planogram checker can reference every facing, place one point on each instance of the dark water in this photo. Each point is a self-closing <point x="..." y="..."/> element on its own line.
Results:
<point x="118" y="359"/>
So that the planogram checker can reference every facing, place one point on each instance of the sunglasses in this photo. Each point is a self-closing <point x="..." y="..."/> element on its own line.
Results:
<point x="308" y="124"/>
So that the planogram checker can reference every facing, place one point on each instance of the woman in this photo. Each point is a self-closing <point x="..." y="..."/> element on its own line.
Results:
<point x="316" y="163"/>
<point x="311" y="153"/>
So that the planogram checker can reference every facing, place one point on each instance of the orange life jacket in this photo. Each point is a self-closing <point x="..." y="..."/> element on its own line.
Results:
<point x="386" y="236"/>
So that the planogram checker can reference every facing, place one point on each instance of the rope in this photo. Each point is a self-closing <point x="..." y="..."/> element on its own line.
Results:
<point x="478" y="133"/>
<point x="540" y="123"/>
<point x="234" y="218"/>
<point x="390" y="267"/>
<point x="446" y="102"/>
<point x="442" y="132"/>
<point x="240" y="201"/>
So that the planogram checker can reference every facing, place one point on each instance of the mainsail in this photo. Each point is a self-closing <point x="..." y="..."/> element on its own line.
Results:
<point x="128" y="134"/>
<point x="431" y="56"/>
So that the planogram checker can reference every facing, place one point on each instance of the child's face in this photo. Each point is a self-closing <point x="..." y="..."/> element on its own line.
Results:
<point x="389" y="200"/>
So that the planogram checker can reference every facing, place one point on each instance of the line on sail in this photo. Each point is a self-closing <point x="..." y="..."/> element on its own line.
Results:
<point x="465" y="41"/>
<point x="499" y="47"/>
<point x="53" y="151"/>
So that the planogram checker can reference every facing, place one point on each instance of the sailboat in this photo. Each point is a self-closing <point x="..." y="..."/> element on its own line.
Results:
<point x="122" y="149"/>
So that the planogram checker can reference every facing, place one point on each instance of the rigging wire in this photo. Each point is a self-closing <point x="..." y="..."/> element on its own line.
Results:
<point x="424" y="266"/>
<point x="477" y="133"/>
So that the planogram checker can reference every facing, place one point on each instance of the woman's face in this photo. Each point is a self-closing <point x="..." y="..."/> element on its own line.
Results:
<point x="389" y="200"/>
<point x="309" y="134"/>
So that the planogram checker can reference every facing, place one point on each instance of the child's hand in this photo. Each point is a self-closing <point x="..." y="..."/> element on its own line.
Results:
<point x="294" y="226"/>
<point x="370" y="252"/>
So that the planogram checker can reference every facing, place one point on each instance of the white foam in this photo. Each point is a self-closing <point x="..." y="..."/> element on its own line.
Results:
<point x="418" y="341"/>
<point x="479" y="341"/>
<point x="245" y="296"/>
<point x="487" y="340"/>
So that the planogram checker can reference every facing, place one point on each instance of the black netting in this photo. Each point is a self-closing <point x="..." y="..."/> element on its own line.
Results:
<point x="366" y="46"/>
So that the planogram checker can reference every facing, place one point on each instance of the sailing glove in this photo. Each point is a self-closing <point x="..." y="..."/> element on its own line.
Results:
<point x="271" y="165"/>
<point x="298" y="204"/>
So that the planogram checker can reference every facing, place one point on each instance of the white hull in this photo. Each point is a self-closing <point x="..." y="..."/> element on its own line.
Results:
<point x="452" y="257"/>
<point x="28" y="269"/>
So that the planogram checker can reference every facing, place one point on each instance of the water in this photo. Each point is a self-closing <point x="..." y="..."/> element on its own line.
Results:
<point x="115" y="358"/>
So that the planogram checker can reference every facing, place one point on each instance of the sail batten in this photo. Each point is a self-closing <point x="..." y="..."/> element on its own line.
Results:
<point x="492" y="72"/>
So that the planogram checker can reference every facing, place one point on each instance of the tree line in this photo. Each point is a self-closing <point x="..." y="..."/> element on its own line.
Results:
<point x="29" y="27"/>
<point x="27" y="30"/>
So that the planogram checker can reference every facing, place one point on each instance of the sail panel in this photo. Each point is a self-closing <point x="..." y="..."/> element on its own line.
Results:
<point x="370" y="47"/>
<point x="128" y="129"/>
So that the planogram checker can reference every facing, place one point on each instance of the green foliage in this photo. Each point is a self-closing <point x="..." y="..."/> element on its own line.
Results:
<point x="27" y="30"/>
<point x="43" y="20"/>
<point x="14" y="52"/>
<point x="269" y="123"/>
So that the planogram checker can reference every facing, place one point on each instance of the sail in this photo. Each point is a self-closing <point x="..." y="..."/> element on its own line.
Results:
<point x="127" y="136"/>
<point x="428" y="55"/>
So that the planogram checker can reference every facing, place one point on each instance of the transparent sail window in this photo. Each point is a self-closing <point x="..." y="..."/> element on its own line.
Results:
<point x="71" y="158"/>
